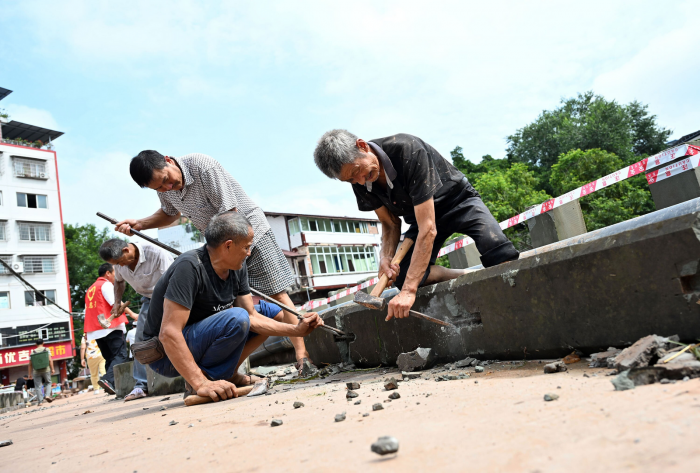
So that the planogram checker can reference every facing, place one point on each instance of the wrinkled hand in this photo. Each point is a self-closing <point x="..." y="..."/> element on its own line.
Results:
<point x="391" y="270"/>
<point x="308" y="323"/>
<point x="82" y="362"/>
<point x="115" y="309"/>
<point x="125" y="226"/>
<point x="217" y="390"/>
<point x="400" y="305"/>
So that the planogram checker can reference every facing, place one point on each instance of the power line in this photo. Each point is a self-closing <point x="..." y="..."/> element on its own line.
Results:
<point x="24" y="281"/>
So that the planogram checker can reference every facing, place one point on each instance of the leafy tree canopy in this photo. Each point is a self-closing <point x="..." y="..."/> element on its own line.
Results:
<point x="587" y="122"/>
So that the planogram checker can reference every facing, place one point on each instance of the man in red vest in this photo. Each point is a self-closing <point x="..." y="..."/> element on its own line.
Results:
<point x="99" y="300"/>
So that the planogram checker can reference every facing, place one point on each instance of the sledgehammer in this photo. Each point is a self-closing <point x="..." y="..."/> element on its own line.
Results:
<point x="374" y="301"/>
<point x="107" y="322"/>
<point x="261" y="387"/>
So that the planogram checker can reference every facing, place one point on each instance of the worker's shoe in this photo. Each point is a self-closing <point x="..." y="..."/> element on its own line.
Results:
<point x="136" y="393"/>
<point x="107" y="386"/>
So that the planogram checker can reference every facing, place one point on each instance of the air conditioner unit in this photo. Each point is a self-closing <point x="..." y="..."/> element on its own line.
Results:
<point x="43" y="175"/>
<point x="18" y="267"/>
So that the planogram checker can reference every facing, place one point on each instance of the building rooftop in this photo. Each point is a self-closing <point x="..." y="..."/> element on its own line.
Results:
<point x="15" y="129"/>
<point x="4" y="92"/>
<point x="684" y="139"/>
<point x="285" y="214"/>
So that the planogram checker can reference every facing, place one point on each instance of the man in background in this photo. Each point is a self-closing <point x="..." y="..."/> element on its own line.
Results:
<point x="99" y="299"/>
<point x="141" y="265"/>
<point x="41" y="369"/>
<point x="90" y="353"/>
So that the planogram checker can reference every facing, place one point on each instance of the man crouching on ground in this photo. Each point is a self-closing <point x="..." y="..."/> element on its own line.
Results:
<point x="204" y="316"/>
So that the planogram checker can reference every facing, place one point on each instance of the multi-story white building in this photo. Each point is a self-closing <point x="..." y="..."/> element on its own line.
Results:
<point x="32" y="243"/>
<point x="325" y="252"/>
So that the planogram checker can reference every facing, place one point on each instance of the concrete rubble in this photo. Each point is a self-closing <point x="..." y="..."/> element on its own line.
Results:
<point x="416" y="360"/>
<point x="604" y="359"/>
<point x="385" y="445"/>
<point x="556" y="367"/>
<point x="391" y="384"/>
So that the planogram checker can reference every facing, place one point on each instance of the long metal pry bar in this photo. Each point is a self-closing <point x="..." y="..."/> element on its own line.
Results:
<point x="333" y="330"/>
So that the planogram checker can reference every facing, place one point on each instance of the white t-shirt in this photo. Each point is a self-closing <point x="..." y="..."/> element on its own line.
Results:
<point x="108" y="294"/>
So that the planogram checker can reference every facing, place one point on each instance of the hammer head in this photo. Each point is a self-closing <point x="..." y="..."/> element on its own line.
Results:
<point x="103" y="321"/>
<point x="369" y="301"/>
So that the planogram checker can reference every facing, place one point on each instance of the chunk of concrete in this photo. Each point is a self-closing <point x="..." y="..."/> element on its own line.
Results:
<point x="674" y="371"/>
<point x="551" y="397"/>
<point x="468" y="361"/>
<point x="556" y="367"/>
<point x="394" y="395"/>
<point x="377" y="406"/>
<point x="298" y="404"/>
<point x="391" y="384"/>
<point x="385" y="445"/>
<point x="276" y="422"/>
<point x="340" y="417"/>
<point x="417" y="360"/>
<point x="354" y="385"/>
<point x="124" y="381"/>
<point x="622" y="382"/>
<point x="604" y="359"/>
<point x="640" y="353"/>
<point x="412" y="375"/>
<point x="160" y="385"/>
<point x="351" y="394"/>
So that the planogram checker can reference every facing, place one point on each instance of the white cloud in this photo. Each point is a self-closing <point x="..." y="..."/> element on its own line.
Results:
<point x="32" y="116"/>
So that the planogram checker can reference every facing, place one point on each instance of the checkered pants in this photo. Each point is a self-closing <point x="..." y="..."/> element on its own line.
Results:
<point x="268" y="270"/>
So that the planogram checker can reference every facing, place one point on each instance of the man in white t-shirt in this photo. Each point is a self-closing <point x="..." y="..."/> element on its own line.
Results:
<point x="99" y="299"/>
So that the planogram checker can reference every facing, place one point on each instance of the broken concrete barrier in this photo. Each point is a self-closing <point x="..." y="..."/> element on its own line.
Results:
<point x="124" y="381"/>
<point x="416" y="360"/>
<point x="160" y="385"/>
<point x="604" y="359"/>
<point x="559" y="296"/>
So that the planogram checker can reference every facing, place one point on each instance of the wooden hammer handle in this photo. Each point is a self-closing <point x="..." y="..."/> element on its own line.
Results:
<point x="194" y="399"/>
<point x="403" y="248"/>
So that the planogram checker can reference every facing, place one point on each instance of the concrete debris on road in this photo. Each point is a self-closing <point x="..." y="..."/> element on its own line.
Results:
<point x="351" y="395"/>
<point x="276" y="422"/>
<point x="551" y="397"/>
<point x="385" y="445"/>
<point x="298" y="404"/>
<point x="641" y="352"/>
<point x="604" y="359"/>
<point x="390" y="384"/>
<point x="417" y="360"/>
<point x="622" y="382"/>
<point x="479" y="369"/>
<point x="5" y="443"/>
<point x="556" y="367"/>
<point x="394" y="395"/>
<point x="340" y="417"/>
<point x="358" y="402"/>
<point x="172" y="422"/>
<point x="307" y="369"/>
<point x="377" y="407"/>
<point x="353" y="386"/>
<point x="468" y="361"/>
<point x="410" y="375"/>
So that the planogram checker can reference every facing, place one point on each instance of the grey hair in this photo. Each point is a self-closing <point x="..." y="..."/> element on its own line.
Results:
<point x="224" y="226"/>
<point x="111" y="250"/>
<point x="334" y="149"/>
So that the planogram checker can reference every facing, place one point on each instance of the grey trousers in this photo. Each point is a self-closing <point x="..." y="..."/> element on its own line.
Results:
<point x="42" y="378"/>
<point x="139" y="369"/>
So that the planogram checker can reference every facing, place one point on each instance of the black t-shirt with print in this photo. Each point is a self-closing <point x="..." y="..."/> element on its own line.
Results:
<point x="420" y="172"/>
<point x="192" y="282"/>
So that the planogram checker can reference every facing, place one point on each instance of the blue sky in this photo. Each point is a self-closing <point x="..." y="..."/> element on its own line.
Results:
<point x="255" y="84"/>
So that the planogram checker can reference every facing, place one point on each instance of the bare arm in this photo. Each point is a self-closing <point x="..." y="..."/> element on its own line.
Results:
<point x="131" y="313"/>
<point x="175" y="318"/>
<point x="264" y="326"/>
<point x="391" y="233"/>
<point x="83" y="348"/>
<point x="427" y="231"/>
<point x="51" y="364"/>
<point x="157" y="220"/>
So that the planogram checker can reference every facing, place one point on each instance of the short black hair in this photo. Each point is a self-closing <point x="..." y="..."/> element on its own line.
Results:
<point x="104" y="269"/>
<point x="143" y="165"/>
<point x="40" y="342"/>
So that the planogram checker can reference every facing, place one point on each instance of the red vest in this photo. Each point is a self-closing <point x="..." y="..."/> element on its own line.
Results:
<point x="95" y="304"/>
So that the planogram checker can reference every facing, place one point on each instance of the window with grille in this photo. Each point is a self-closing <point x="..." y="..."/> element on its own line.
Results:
<point x="33" y="298"/>
<point x="34" y="231"/>
<point x="344" y="259"/>
<point x="39" y="264"/>
<point x="327" y="225"/>
<point x="30" y="168"/>
<point x="7" y="259"/>
<point x="3" y="230"/>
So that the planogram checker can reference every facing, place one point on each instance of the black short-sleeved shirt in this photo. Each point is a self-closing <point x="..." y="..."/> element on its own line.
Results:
<point x="192" y="282"/>
<point x="417" y="172"/>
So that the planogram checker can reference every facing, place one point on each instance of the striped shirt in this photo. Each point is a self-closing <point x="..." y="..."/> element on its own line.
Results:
<point x="210" y="189"/>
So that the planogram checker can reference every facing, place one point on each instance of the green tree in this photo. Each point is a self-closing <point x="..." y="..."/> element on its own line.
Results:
<point x="473" y="170"/>
<point x="616" y="203"/>
<point x="587" y="122"/>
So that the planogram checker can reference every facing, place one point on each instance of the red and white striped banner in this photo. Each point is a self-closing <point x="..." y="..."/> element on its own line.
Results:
<point x="620" y="175"/>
